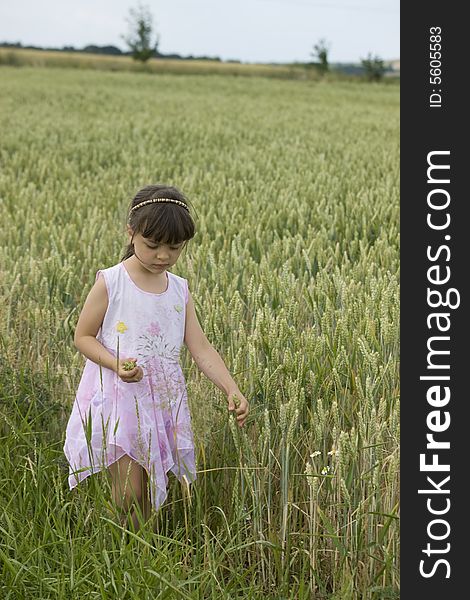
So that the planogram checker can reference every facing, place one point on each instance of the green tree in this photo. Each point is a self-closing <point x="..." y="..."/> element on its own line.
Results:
<point x="374" y="67"/>
<point x="140" y="34"/>
<point x="320" y="53"/>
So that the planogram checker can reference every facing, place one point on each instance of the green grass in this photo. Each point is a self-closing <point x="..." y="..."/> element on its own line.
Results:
<point x="295" y="275"/>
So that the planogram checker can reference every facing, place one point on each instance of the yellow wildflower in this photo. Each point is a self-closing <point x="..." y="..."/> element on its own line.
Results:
<point x="121" y="327"/>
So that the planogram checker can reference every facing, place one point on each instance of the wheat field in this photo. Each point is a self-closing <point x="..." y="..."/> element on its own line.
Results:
<point x="295" y="275"/>
<point x="20" y="57"/>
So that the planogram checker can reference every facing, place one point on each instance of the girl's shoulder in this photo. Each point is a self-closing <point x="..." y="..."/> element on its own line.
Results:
<point x="109" y="271"/>
<point x="115" y="276"/>
<point x="181" y="283"/>
<point x="110" y="276"/>
<point x="177" y="278"/>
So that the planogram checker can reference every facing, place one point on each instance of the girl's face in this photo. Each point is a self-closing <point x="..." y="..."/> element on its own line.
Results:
<point x="156" y="258"/>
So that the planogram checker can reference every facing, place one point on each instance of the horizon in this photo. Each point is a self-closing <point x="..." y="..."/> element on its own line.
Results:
<point x="67" y="48"/>
<point x="277" y="31"/>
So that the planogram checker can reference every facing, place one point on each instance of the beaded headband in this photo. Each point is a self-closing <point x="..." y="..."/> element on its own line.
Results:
<point x="159" y="200"/>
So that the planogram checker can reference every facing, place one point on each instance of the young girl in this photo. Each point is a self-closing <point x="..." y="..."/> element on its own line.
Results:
<point x="130" y="413"/>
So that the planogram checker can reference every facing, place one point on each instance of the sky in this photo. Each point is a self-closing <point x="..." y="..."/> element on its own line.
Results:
<point x="247" y="30"/>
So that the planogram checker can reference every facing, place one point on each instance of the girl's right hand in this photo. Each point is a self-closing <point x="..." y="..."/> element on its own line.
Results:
<point x="129" y="376"/>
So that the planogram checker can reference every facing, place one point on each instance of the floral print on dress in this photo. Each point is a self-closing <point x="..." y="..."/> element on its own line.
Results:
<point x="163" y="450"/>
<point x="121" y="327"/>
<point x="154" y="343"/>
<point x="154" y="328"/>
<point x="166" y="383"/>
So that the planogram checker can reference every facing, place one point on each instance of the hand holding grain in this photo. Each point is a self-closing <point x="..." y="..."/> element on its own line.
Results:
<point x="238" y="403"/>
<point x="128" y="371"/>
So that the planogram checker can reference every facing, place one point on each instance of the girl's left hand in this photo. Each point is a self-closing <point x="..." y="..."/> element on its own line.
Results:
<point x="238" y="402"/>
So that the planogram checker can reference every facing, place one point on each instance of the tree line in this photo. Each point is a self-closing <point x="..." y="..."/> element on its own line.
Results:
<point x="110" y="50"/>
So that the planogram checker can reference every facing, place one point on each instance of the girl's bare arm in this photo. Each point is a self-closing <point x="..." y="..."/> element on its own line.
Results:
<point x="204" y="354"/>
<point x="89" y="323"/>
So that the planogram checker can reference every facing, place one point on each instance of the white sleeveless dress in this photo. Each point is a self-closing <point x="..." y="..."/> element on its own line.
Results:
<point x="149" y="420"/>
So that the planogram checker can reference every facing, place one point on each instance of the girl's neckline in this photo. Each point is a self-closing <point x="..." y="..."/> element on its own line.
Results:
<point x="144" y="291"/>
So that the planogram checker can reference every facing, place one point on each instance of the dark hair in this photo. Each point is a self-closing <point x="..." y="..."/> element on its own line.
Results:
<point x="160" y="222"/>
